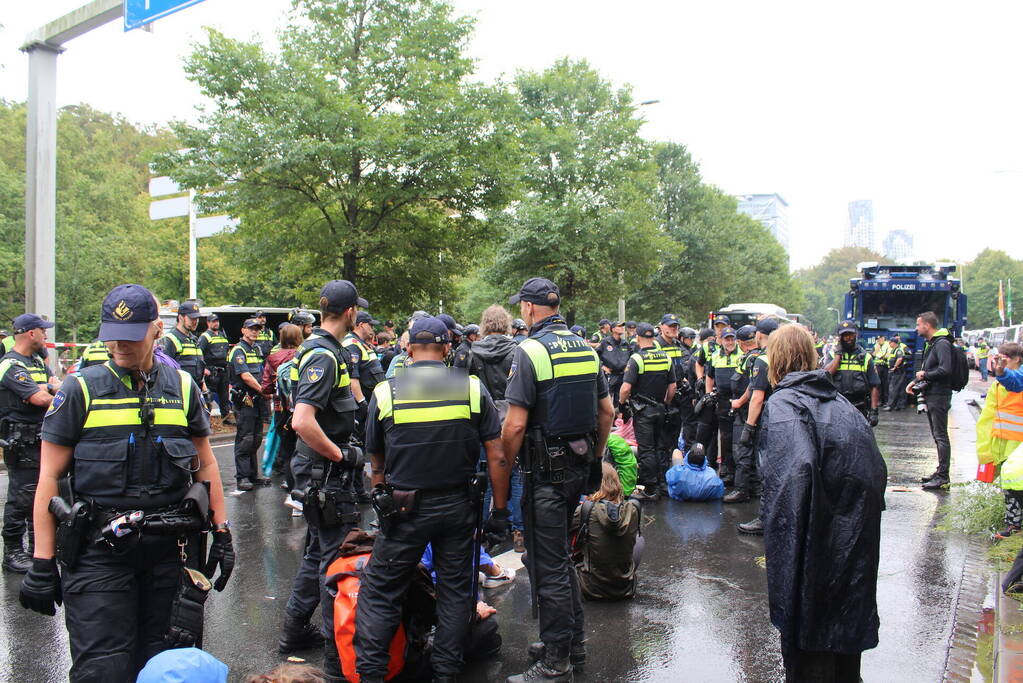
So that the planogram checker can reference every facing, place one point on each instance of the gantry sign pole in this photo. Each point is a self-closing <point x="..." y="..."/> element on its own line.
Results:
<point x="43" y="45"/>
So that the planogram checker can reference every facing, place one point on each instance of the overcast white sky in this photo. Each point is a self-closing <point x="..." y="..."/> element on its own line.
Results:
<point x="915" y="105"/>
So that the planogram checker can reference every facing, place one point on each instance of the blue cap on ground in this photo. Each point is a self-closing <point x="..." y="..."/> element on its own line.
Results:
<point x="183" y="665"/>
<point x="537" y="290"/>
<point x="767" y="325"/>
<point x="189" y="308"/>
<point x="337" y="296"/>
<point x="746" y="333"/>
<point x="127" y="312"/>
<point x="429" y="330"/>
<point x="30" y="321"/>
<point x="669" y="319"/>
<point x="644" y="330"/>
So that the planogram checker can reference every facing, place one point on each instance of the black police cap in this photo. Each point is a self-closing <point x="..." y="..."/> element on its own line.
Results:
<point x="669" y="319"/>
<point x="767" y="325"/>
<point x="189" y="309"/>
<point x="428" y="330"/>
<point x="127" y="312"/>
<point x="846" y="326"/>
<point x="364" y="317"/>
<point x="337" y="296"/>
<point x="746" y="333"/>
<point x="30" y="321"/>
<point x="537" y="290"/>
<point x="644" y="330"/>
<point x="722" y="319"/>
<point x="727" y="332"/>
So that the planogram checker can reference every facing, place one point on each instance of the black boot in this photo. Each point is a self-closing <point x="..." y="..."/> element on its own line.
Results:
<point x="554" y="666"/>
<point x="298" y="634"/>
<point x="576" y="653"/>
<point x="16" y="560"/>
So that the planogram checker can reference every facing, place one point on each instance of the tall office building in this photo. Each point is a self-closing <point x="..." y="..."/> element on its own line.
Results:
<point x="898" y="246"/>
<point x="860" y="230"/>
<point x="771" y="211"/>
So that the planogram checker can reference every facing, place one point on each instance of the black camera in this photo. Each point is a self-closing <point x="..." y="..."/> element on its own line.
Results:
<point x="919" y="386"/>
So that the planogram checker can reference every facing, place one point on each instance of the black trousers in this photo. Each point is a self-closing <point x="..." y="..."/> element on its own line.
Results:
<point x="247" y="438"/>
<point x="117" y="608"/>
<point x="897" y="389"/>
<point x="218" y="383"/>
<point x="21" y="492"/>
<point x="648" y="422"/>
<point x="707" y="434"/>
<point x="614" y="385"/>
<point x="746" y="477"/>
<point x="446" y="522"/>
<point x="882" y="374"/>
<point x="668" y="442"/>
<point x="689" y="421"/>
<point x="321" y="548"/>
<point x="549" y="509"/>
<point x="937" y="414"/>
<point x="803" y="666"/>
<point x="726" y="459"/>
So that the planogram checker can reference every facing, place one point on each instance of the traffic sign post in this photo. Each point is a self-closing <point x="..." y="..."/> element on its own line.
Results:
<point x="138" y="13"/>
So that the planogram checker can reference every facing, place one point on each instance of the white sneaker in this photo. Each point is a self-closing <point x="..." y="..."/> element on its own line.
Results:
<point x="506" y="576"/>
<point x="295" y="505"/>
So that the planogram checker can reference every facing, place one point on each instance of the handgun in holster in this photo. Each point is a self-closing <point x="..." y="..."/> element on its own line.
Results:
<point x="322" y="506"/>
<point x="73" y="526"/>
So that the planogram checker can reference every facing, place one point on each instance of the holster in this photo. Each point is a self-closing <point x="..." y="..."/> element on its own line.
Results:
<point x="17" y="440"/>
<point x="322" y="506"/>
<point x="186" y="618"/>
<point x="72" y="530"/>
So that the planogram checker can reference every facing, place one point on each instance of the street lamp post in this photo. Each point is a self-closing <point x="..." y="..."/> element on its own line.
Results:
<point x="838" y="314"/>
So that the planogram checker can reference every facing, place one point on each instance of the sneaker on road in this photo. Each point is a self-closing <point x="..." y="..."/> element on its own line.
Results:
<point x="293" y="504"/>
<point x="244" y="485"/>
<point x="506" y="576"/>
<point x="754" y="527"/>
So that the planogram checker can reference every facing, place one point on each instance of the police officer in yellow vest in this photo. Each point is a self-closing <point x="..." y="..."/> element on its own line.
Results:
<point x="668" y="341"/>
<point x="181" y="344"/>
<point x="424" y="433"/>
<point x="133" y="432"/>
<point x="95" y="354"/>
<point x="746" y="481"/>
<point x="367" y="373"/>
<point x="559" y="410"/>
<point x="215" y="346"/>
<point x="852" y="369"/>
<point x="265" y="339"/>
<point x="898" y="360"/>
<point x="25" y="394"/>
<point x="246" y="362"/>
<point x="648" y="386"/>
<point x="882" y="360"/>
<point x="325" y="465"/>
<point x="723" y="364"/>
<point x="981" y="352"/>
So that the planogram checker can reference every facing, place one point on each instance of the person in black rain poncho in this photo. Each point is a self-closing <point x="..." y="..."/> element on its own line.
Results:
<point x="824" y="482"/>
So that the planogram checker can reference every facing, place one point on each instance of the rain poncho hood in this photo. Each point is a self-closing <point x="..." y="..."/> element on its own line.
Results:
<point x="493" y="348"/>
<point x="824" y="483"/>
<point x="495" y="354"/>
<point x="185" y="665"/>
<point x="624" y="462"/>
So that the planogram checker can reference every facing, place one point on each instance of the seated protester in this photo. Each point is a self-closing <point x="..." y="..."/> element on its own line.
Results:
<point x="483" y="640"/>
<point x="183" y="664"/>
<point x="999" y="432"/>
<point x="623" y="459"/>
<point x="607" y="543"/>
<point x="690" y="478"/>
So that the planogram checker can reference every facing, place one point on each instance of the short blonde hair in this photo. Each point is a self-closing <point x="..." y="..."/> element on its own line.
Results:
<point x="790" y="349"/>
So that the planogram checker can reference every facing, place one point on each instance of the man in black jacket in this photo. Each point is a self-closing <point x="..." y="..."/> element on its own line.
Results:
<point x="614" y="352"/>
<point x="934" y="381"/>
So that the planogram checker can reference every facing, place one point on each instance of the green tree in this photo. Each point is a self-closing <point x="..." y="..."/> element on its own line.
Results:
<point x="980" y="282"/>
<point x="587" y="213"/>
<point x="826" y="283"/>
<point x="722" y="256"/>
<point x="361" y="150"/>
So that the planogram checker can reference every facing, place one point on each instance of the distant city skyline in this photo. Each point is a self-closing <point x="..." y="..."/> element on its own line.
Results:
<point x="898" y="246"/>
<point x="859" y="231"/>
<point x="771" y="210"/>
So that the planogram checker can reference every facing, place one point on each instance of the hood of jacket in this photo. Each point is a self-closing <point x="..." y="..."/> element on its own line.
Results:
<point x="815" y="383"/>
<point x="493" y="348"/>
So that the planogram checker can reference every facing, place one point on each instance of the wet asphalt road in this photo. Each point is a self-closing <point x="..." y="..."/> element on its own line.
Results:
<point x="700" y="613"/>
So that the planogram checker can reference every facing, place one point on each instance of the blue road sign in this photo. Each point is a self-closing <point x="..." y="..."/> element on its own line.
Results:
<point x="138" y="13"/>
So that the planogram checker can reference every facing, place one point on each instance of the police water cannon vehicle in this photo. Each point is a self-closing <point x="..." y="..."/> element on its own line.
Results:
<point x="887" y="299"/>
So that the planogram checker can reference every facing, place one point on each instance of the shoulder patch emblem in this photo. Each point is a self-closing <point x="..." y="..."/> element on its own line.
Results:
<point x="22" y="376"/>
<point x="314" y="374"/>
<point x="512" y="369"/>
<point x="58" y="401"/>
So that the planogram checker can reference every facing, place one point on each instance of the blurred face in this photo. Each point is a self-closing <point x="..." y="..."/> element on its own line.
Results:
<point x="132" y="355"/>
<point x="188" y="324"/>
<point x="526" y="309"/>
<point x="249" y="334"/>
<point x="847" y="339"/>
<point x="687" y="341"/>
<point x="728" y="343"/>
<point x="36" y="339"/>
<point x="364" y="330"/>
<point x="748" y="345"/>
<point x="923" y="329"/>
<point x="213" y="325"/>
<point x="669" y="332"/>
<point x="306" y="331"/>
<point x="618" y="330"/>
<point x="718" y="327"/>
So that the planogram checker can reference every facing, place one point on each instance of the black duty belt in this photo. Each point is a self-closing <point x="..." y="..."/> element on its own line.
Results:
<point x="440" y="493"/>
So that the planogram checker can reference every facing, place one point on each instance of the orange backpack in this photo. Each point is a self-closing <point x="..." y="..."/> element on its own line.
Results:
<point x="344" y="574"/>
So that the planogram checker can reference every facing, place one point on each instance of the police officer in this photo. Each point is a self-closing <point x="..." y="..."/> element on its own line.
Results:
<point x="325" y="465"/>
<point x="649" y="383"/>
<point x="896" y="374"/>
<point x="463" y="354"/>
<point x="134" y="434"/>
<point x="723" y="364"/>
<point x="181" y="344"/>
<point x="560" y="412"/>
<point x="746" y="481"/>
<point x="265" y="338"/>
<point x="603" y="331"/>
<point x="630" y="334"/>
<point x="25" y="394"/>
<point x="852" y="369"/>
<point x="707" y="423"/>
<point x="760" y="391"/>
<point x="614" y="352"/>
<point x="214" y="346"/>
<point x="423" y="435"/>
<point x="519" y="330"/>
<point x="246" y="362"/>
<point x="304" y="320"/>
<point x="668" y="341"/>
<point x="882" y="354"/>
<point x="5" y="345"/>
<point x="366" y="372"/>
<point x="686" y="391"/>
<point x="95" y="354"/>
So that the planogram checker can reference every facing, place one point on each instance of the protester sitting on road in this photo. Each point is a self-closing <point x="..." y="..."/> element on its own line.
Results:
<point x="621" y="455"/>
<point x="289" y="673"/>
<point x="608" y="543"/>
<point x="184" y="664"/>
<point x="999" y="432"/>
<point x="691" y="478"/>
<point x="823" y="493"/>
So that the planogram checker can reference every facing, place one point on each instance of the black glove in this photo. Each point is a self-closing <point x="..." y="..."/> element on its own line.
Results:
<point x="626" y="411"/>
<point x="40" y="588"/>
<point x="221" y="555"/>
<point x="497" y="525"/>
<point x="749" y="433"/>
<point x="872" y="417"/>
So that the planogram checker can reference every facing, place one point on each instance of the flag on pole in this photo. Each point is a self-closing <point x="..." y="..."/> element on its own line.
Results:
<point x="1001" y="303"/>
